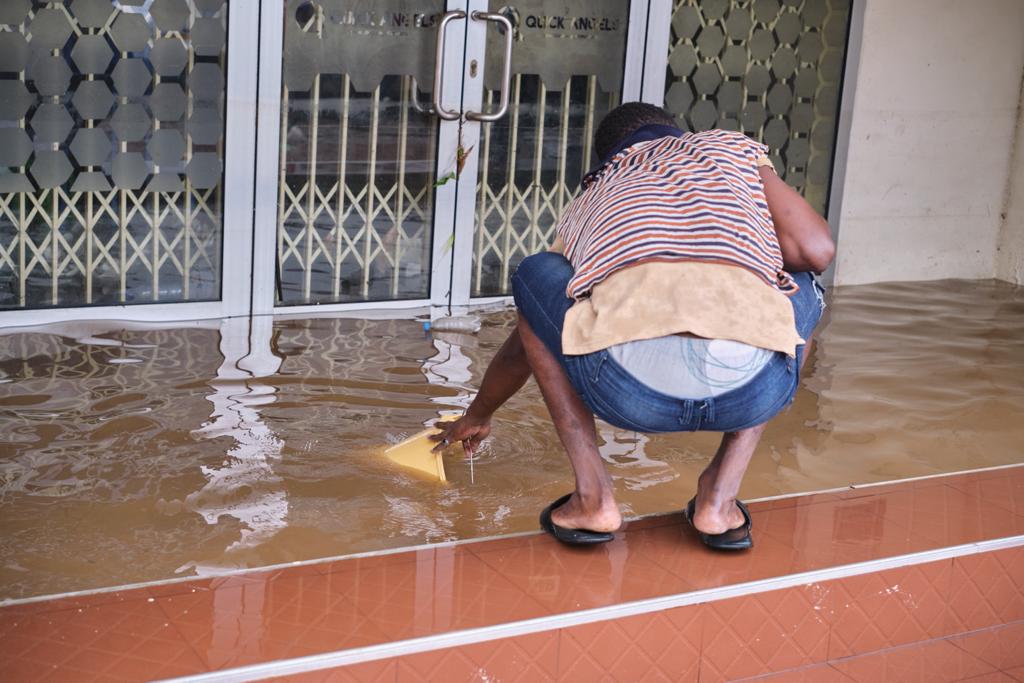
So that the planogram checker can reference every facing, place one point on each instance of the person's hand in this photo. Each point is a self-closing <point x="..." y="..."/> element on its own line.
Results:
<point x="471" y="431"/>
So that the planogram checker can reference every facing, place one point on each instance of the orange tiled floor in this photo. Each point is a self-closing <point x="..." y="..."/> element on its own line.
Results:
<point x="943" y="620"/>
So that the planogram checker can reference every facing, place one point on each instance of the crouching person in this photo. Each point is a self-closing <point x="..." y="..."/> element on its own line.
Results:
<point x="679" y="296"/>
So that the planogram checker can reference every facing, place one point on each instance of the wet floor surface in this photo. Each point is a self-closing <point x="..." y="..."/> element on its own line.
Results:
<point x="135" y="455"/>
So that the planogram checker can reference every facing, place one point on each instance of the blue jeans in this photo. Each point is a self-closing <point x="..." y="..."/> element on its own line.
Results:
<point x="613" y="395"/>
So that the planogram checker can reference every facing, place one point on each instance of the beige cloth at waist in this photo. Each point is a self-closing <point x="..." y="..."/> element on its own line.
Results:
<point x="655" y="299"/>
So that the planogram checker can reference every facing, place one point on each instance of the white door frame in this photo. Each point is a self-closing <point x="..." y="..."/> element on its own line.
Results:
<point x="449" y="202"/>
<point x="268" y="141"/>
<point x="638" y="52"/>
<point x="659" y="33"/>
<point x="236" y="239"/>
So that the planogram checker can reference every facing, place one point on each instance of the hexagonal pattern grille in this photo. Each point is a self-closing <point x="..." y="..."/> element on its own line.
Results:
<point x="110" y="176"/>
<point x="770" y="68"/>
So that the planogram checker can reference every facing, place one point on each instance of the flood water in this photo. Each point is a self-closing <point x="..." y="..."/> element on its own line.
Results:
<point x="133" y="455"/>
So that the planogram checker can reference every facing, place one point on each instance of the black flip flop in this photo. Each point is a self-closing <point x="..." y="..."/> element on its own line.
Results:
<point x="733" y="539"/>
<point x="571" y="536"/>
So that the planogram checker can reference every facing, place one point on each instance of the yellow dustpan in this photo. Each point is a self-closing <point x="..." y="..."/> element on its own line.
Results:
<point x="415" y="454"/>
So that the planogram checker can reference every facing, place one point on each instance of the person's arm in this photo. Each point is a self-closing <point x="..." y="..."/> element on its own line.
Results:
<point x="803" y="234"/>
<point x="506" y="374"/>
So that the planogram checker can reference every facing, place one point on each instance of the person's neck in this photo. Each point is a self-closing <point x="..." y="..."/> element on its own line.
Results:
<point x="650" y="131"/>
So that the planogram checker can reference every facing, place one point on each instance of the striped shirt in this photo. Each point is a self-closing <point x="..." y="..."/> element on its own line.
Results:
<point x="695" y="197"/>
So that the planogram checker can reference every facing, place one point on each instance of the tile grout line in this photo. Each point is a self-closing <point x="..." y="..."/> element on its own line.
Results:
<point x="828" y="641"/>
<point x="970" y="495"/>
<point x="181" y="634"/>
<point x="828" y="662"/>
<point x="700" y="650"/>
<point x="497" y="570"/>
<point x="845" y="675"/>
<point x="561" y="621"/>
<point x="558" y="652"/>
<point x="453" y="543"/>
<point x="804" y="667"/>
<point x="927" y="641"/>
<point x="983" y="630"/>
<point x="983" y="599"/>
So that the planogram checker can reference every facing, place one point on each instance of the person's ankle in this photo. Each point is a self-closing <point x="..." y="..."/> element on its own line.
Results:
<point x="711" y="490"/>
<point x="596" y="499"/>
<point x="706" y="481"/>
<point x="717" y="514"/>
<point x="592" y="509"/>
<point x="712" y="495"/>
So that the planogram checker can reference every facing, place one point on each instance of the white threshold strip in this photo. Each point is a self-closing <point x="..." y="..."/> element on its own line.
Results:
<point x="444" y="544"/>
<point x="331" y="660"/>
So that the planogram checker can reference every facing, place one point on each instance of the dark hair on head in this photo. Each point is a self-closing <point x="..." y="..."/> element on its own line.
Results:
<point x="623" y="121"/>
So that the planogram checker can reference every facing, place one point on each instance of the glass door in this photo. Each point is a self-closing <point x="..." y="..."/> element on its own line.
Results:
<point x="119" y="180"/>
<point x="568" y="68"/>
<point x="358" y="151"/>
<point x="359" y="137"/>
<point x="421" y="148"/>
<point x="407" y="152"/>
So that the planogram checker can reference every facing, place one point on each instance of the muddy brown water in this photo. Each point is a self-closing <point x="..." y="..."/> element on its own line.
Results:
<point x="130" y="455"/>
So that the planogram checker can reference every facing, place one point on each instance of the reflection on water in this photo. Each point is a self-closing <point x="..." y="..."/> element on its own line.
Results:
<point x="451" y="367"/>
<point x="244" y="486"/>
<point x="135" y="454"/>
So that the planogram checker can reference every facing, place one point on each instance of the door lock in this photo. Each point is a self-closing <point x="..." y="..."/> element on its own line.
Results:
<point x="472" y="68"/>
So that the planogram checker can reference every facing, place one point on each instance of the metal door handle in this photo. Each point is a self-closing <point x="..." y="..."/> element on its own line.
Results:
<point x="506" y="72"/>
<point x="414" y="99"/>
<point x="439" y="65"/>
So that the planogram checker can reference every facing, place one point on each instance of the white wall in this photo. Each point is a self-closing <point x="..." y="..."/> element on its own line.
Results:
<point x="1010" y="251"/>
<point x="934" y="112"/>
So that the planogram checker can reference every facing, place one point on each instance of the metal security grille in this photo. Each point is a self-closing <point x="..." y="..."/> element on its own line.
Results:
<point x="531" y="163"/>
<point x="355" y="191"/>
<point x="567" y="65"/>
<point x="111" y="122"/>
<point x="358" y="150"/>
<point x="768" y="68"/>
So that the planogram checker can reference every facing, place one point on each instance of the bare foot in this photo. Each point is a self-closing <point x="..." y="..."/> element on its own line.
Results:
<point x="596" y="516"/>
<point x="716" y="517"/>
